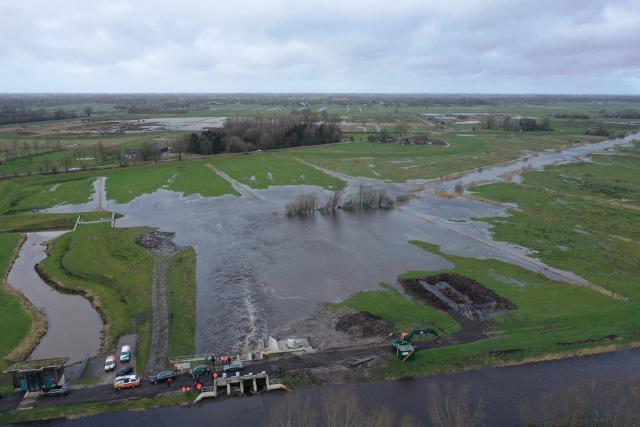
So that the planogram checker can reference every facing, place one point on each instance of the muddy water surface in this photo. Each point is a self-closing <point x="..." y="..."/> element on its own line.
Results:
<point x="74" y="327"/>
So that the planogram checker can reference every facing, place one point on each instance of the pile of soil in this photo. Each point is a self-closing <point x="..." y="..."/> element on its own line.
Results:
<point x="158" y="241"/>
<point x="413" y="288"/>
<point x="364" y="325"/>
<point x="474" y="290"/>
<point x="481" y="297"/>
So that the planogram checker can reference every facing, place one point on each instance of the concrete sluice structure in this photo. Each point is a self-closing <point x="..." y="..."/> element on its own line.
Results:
<point x="239" y="385"/>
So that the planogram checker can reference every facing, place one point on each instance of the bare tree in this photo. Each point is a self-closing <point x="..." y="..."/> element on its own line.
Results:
<point x="453" y="408"/>
<point x="292" y="411"/>
<point x="342" y="409"/>
<point x="614" y="403"/>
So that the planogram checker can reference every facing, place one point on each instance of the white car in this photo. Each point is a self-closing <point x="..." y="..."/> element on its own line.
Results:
<point x="125" y="353"/>
<point x="110" y="363"/>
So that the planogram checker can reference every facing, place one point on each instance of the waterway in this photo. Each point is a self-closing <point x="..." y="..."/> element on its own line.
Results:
<point x="73" y="325"/>
<point x="502" y="390"/>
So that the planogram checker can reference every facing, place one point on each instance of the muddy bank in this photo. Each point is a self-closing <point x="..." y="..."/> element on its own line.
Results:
<point x="73" y="326"/>
<point x="327" y="330"/>
<point x="39" y="321"/>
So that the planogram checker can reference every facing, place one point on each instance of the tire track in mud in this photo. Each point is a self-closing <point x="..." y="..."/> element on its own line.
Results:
<point x="163" y="249"/>
<point x="159" y="346"/>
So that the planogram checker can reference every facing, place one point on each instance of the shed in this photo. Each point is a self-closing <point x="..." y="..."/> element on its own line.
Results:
<point x="34" y="375"/>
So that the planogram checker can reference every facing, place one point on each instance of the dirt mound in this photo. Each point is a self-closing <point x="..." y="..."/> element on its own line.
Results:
<point x="363" y="325"/>
<point x="159" y="241"/>
<point x="457" y="293"/>
<point x="473" y="289"/>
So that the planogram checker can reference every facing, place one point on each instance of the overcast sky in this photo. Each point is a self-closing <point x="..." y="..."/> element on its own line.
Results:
<point x="444" y="46"/>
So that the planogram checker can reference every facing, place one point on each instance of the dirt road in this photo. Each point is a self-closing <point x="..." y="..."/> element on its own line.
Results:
<point x="163" y="249"/>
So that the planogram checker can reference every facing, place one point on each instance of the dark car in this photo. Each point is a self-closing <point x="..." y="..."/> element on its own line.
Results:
<point x="127" y="370"/>
<point x="200" y="370"/>
<point x="58" y="391"/>
<point x="235" y="366"/>
<point x="161" y="377"/>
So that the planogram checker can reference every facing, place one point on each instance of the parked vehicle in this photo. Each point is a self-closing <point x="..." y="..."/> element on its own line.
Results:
<point x="110" y="363"/>
<point x="57" y="391"/>
<point x="127" y="370"/>
<point x="200" y="370"/>
<point x="125" y="353"/>
<point x="163" y="376"/>
<point x="235" y="366"/>
<point x="126" y="381"/>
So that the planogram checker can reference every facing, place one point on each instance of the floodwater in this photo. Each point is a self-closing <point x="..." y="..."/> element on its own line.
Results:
<point x="258" y="271"/>
<point x="501" y="389"/>
<point x="194" y="124"/>
<point x="73" y="325"/>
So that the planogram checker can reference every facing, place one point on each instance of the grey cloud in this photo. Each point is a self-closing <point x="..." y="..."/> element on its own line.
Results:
<point x="284" y="45"/>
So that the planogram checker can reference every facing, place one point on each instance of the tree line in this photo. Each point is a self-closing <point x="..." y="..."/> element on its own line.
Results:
<point x="10" y="115"/>
<point x="301" y="128"/>
<point x="524" y="124"/>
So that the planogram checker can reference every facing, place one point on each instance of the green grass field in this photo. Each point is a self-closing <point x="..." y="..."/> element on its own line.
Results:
<point x="261" y="170"/>
<point x="188" y="177"/>
<point x="398" y="163"/>
<point x="572" y="215"/>
<point x="181" y="281"/>
<point x="39" y="192"/>
<point x="108" y="264"/>
<point x="405" y="313"/>
<point x="14" y="321"/>
<point x="551" y="318"/>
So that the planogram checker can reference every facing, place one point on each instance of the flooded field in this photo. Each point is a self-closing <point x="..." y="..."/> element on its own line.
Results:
<point x="194" y="124"/>
<point x="74" y="327"/>
<point x="258" y="270"/>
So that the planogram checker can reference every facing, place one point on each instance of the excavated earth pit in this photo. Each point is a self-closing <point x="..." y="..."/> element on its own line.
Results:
<point x="458" y="294"/>
<point x="363" y="325"/>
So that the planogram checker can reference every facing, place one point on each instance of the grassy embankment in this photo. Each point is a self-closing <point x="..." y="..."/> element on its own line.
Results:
<point x="114" y="272"/>
<point x="181" y="285"/>
<point x="87" y="409"/>
<point x="405" y="313"/>
<point x="15" y="322"/>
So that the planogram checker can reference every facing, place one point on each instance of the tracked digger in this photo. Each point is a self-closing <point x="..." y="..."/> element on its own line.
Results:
<point x="404" y="348"/>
